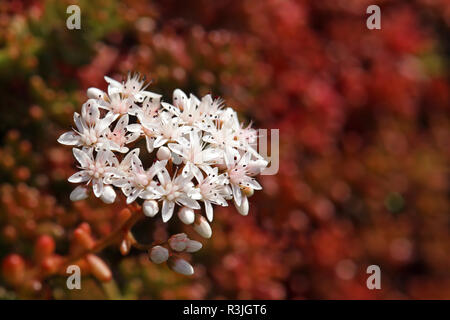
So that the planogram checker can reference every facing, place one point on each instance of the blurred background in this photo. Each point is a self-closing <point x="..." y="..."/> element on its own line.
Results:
<point x="364" y="142"/>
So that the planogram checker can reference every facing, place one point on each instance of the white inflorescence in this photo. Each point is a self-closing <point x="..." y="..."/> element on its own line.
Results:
<point x="202" y="153"/>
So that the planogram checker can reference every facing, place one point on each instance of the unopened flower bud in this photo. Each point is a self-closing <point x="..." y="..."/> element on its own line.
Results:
<point x="158" y="254"/>
<point x="109" y="195"/>
<point x="186" y="215"/>
<point x="79" y="193"/>
<point x="125" y="247"/>
<point x="181" y="266"/>
<point x="44" y="247"/>
<point x="94" y="93"/>
<point x="244" y="207"/>
<point x="193" y="246"/>
<point x="150" y="208"/>
<point x="82" y="237"/>
<point x="202" y="227"/>
<point x="123" y="215"/>
<point x="163" y="153"/>
<point x="13" y="269"/>
<point x="178" y="241"/>
<point x="99" y="268"/>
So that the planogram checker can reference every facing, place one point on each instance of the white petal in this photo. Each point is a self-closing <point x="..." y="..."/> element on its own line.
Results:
<point x="244" y="207"/>
<point x="237" y="194"/>
<point x="81" y="176"/>
<point x="209" y="210"/>
<point x="97" y="186"/>
<point x="69" y="138"/>
<point x="167" y="210"/>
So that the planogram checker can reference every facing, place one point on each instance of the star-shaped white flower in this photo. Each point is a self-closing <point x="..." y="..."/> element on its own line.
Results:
<point x="93" y="170"/>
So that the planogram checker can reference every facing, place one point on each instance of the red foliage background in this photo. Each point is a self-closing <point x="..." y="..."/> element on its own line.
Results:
<point x="364" y="142"/>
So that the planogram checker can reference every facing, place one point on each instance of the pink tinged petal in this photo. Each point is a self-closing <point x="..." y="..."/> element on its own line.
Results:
<point x="209" y="210"/>
<point x="167" y="210"/>
<point x="97" y="186"/>
<point x="237" y="194"/>
<point x="122" y="123"/>
<point x="69" y="138"/>
<point x="81" y="176"/>
<point x="136" y="165"/>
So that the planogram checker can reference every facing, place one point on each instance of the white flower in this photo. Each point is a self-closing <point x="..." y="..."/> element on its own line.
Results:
<point x="118" y="105"/>
<point x="213" y="190"/>
<point x="187" y="110"/>
<point x="133" y="87"/>
<point x="139" y="182"/>
<point x="177" y="190"/>
<point x="238" y="174"/>
<point x="90" y="128"/>
<point x="93" y="170"/>
<point x="194" y="152"/>
<point x="119" y="137"/>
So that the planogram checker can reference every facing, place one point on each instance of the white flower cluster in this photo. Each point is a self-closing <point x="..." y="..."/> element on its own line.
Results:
<point x="200" y="151"/>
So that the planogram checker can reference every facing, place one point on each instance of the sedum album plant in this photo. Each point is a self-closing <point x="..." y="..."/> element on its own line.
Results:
<point x="200" y="156"/>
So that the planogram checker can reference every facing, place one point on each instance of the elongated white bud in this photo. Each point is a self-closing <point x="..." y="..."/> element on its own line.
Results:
<point x="79" y="193"/>
<point x="158" y="254"/>
<point x="193" y="246"/>
<point x="186" y="215"/>
<point x="150" y="208"/>
<point x="163" y="153"/>
<point x="109" y="195"/>
<point x="181" y="266"/>
<point x="94" y="93"/>
<point x="244" y="207"/>
<point x="202" y="227"/>
<point x="178" y="242"/>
